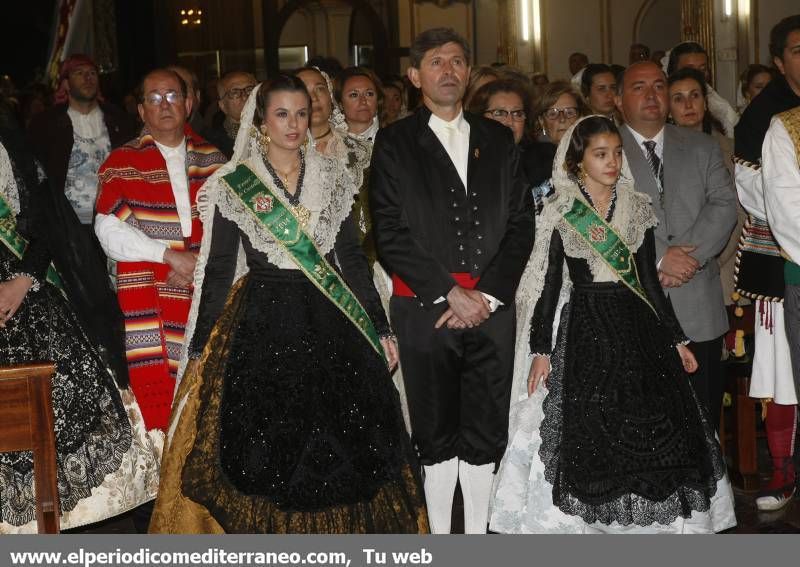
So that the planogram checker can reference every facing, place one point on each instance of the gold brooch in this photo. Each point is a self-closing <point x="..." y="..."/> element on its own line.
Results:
<point x="303" y="215"/>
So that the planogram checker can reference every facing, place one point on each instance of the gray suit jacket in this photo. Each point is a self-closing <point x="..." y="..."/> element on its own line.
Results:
<point x="699" y="210"/>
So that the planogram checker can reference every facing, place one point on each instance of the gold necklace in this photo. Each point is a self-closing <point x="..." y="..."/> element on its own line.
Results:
<point x="285" y="176"/>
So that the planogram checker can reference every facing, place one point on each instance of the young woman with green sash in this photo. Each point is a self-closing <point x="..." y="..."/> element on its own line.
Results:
<point x="606" y="433"/>
<point x="286" y="419"/>
<point x="107" y="464"/>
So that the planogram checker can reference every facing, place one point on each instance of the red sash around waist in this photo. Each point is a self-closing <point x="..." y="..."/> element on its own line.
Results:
<point x="401" y="289"/>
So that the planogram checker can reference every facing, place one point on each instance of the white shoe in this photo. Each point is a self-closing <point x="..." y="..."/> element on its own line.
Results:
<point x="775" y="500"/>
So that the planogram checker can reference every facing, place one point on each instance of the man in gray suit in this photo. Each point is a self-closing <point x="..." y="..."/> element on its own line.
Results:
<point x="692" y="191"/>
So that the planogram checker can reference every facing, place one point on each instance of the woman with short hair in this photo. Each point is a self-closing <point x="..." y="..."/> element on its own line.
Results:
<point x="560" y="106"/>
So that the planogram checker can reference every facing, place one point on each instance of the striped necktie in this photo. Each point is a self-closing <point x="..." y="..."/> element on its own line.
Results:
<point x="655" y="164"/>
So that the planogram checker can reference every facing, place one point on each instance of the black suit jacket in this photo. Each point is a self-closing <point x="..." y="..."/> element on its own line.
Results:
<point x="427" y="225"/>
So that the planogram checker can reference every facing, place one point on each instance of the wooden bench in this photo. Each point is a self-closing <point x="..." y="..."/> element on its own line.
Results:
<point x="26" y="424"/>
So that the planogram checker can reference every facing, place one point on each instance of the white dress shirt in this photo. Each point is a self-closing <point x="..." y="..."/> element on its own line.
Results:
<point x="781" y="173"/>
<point x="454" y="136"/>
<point x="658" y="139"/>
<point x="125" y="243"/>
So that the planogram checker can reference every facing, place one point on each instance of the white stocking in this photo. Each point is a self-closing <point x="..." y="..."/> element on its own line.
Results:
<point x="440" y="485"/>
<point x="476" y="486"/>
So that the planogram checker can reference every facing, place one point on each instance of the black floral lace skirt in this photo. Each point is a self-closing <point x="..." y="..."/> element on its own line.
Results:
<point x="92" y="429"/>
<point x="624" y="438"/>
<point x="300" y="428"/>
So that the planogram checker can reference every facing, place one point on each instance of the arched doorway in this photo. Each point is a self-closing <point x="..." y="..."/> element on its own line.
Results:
<point x="275" y="23"/>
<point x="658" y="24"/>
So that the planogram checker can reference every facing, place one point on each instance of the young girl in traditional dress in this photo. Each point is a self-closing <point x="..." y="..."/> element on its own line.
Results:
<point x="617" y="441"/>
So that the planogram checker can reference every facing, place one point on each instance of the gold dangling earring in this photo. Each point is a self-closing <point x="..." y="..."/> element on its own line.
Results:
<point x="262" y="140"/>
<point x="581" y="174"/>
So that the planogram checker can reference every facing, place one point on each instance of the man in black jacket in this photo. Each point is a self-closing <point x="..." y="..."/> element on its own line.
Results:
<point x="72" y="139"/>
<point x="454" y="226"/>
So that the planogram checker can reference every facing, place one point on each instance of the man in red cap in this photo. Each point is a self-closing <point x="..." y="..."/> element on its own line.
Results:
<point x="74" y="138"/>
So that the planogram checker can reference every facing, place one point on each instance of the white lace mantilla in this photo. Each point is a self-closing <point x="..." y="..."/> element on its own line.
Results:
<point x="8" y="184"/>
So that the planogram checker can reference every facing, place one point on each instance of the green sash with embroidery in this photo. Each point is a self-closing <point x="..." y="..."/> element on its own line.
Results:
<point x="15" y="242"/>
<point x="286" y="230"/>
<point x="608" y="244"/>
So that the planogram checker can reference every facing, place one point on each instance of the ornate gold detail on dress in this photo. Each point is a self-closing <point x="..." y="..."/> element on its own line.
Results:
<point x="302" y="214"/>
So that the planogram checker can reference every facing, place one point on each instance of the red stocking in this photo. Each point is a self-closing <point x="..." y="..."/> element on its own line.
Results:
<point x="781" y="426"/>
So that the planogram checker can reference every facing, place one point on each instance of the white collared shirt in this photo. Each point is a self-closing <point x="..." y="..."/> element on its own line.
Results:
<point x="369" y="134"/>
<point x="179" y="179"/>
<point x="658" y="139"/>
<point x="125" y="243"/>
<point x="454" y="136"/>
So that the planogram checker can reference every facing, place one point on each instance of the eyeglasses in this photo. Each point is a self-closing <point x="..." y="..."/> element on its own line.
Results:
<point x="155" y="98"/>
<point x="502" y="114"/>
<point x="239" y="93"/>
<point x="554" y="113"/>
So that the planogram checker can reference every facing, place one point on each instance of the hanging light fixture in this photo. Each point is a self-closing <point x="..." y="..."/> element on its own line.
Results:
<point x="191" y="16"/>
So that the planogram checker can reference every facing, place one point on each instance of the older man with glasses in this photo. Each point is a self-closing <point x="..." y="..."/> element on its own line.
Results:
<point x="147" y="221"/>
<point x="233" y="88"/>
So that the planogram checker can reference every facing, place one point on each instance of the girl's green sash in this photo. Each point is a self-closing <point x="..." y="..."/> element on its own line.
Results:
<point x="608" y="244"/>
<point x="17" y="243"/>
<point x="286" y="230"/>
